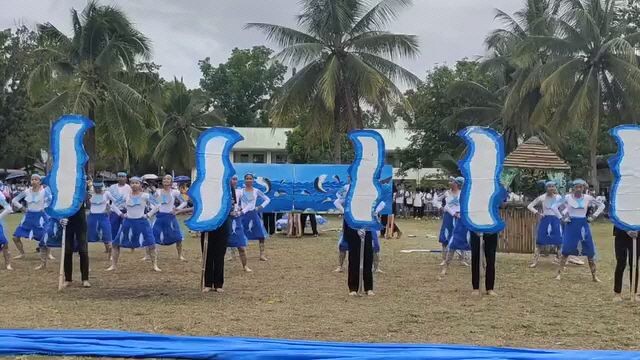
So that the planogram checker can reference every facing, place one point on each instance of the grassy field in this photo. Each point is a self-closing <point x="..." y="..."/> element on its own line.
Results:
<point x="296" y="294"/>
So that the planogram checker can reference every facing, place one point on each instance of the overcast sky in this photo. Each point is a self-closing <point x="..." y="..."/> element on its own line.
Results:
<point x="185" y="31"/>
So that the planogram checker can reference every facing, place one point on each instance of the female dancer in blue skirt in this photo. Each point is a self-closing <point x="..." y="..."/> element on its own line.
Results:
<point x="452" y="205"/>
<point x="251" y="218"/>
<point x="166" y="229"/>
<point x="4" y="244"/>
<point x="32" y="225"/>
<point x="577" y="229"/>
<point x="136" y="230"/>
<point x="119" y="192"/>
<point x="98" y="223"/>
<point x="550" y="227"/>
<point x="237" y="238"/>
<point x="460" y="237"/>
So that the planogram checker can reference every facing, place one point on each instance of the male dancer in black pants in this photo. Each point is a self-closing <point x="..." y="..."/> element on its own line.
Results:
<point x="312" y="219"/>
<point x="624" y="252"/>
<point x="269" y="220"/>
<point x="76" y="239"/>
<point x="490" y="247"/>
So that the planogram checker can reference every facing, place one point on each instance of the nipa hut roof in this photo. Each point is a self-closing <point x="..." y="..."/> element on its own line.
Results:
<point x="534" y="154"/>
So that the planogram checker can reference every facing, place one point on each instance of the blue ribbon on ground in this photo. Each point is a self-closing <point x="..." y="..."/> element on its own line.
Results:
<point x="139" y="345"/>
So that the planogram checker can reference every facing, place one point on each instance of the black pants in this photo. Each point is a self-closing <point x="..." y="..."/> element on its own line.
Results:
<point x="353" y="239"/>
<point x="216" y="249"/>
<point x="269" y="220"/>
<point x="624" y="253"/>
<point x="490" y="247"/>
<point x="384" y="219"/>
<point x="76" y="239"/>
<point x="312" y="219"/>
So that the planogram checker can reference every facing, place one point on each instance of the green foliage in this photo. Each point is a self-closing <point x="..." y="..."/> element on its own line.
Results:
<point x="304" y="147"/>
<point x="241" y="87"/>
<point x="432" y="103"/>
<point x="347" y="61"/>
<point x="24" y="133"/>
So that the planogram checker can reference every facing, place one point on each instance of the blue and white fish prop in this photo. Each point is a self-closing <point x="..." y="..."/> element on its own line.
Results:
<point x="365" y="191"/>
<point x="319" y="182"/>
<point x="625" y="190"/>
<point x="265" y="183"/>
<point x="482" y="192"/>
<point x="67" y="179"/>
<point x="304" y="192"/>
<point x="211" y="190"/>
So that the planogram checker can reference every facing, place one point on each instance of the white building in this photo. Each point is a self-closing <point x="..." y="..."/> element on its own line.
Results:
<point x="268" y="146"/>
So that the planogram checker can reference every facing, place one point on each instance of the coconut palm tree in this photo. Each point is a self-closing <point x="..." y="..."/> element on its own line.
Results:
<point x="345" y="59"/>
<point x="184" y="114"/>
<point x="594" y="71"/>
<point x="92" y="72"/>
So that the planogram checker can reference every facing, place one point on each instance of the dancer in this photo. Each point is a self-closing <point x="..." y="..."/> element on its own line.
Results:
<point x="32" y="225"/>
<point x="214" y="249"/>
<point x="4" y="244"/>
<point x="251" y="219"/>
<point x="353" y="239"/>
<point x="76" y="240"/>
<point x="119" y="192"/>
<point x="136" y="230"/>
<point x="166" y="229"/>
<point x="577" y="229"/>
<point x="624" y="254"/>
<point x="343" y="248"/>
<point x="550" y="226"/>
<point x="452" y="206"/>
<point x="460" y="237"/>
<point x="237" y="238"/>
<point x="98" y="224"/>
<point x="490" y="242"/>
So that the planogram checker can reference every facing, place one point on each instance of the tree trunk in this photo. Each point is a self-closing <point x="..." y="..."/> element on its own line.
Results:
<point x="90" y="144"/>
<point x="593" y="144"/>
<point x="337" y="133"/>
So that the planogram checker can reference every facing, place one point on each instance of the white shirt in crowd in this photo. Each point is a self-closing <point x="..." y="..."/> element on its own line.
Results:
<point x="418" y="198"/>
<point x="37" y="201"/>
<point x="167" y="200"/>
<point x="546" y="202"/>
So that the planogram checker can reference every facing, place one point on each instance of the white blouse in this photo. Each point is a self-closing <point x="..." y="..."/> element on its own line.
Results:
<point x="167" y="200"/>
<point x="98" y="203"/>
<point x="37" y="201"/>
<point x="136" y="204"/>
<point x="546" y="203"/>
<point x="577" y="207"/>
<point x="248" y="199"/>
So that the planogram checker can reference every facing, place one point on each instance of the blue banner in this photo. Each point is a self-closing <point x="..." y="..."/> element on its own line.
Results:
<point x="306" y="187"/>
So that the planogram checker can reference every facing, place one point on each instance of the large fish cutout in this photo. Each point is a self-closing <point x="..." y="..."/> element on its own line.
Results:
<point x="365" y="191"/>
<point x="482" y="192"/>
<point x="625" y="190"/>
<point x="67" y="179"/>
<point x="211" y="191"/>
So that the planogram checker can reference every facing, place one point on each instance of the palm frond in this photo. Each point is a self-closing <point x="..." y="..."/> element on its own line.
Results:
<point x="379" y="16"/>
<point x="386" y="44"/>
<point x="282" y="35"/>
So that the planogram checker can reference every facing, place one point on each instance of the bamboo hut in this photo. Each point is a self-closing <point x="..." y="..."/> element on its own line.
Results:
<point x="519" y="234"/>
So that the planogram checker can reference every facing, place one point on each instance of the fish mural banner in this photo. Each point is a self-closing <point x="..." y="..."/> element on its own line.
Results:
<point x="211" y="192"/>
<point x="67" y="179"/>
<point x="307" y="187"/>
<point x="482" y="192"/>
<point x="365" y="192"/>
<point x="624" y="208"/>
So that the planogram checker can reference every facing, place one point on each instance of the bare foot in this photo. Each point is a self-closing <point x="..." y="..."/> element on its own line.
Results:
<point x="443" y="263"/>
<point x="146" y="258"/>
<point x="9" y="267"/>
<point x="339" y="269"/>
<point x="51" y="257"/>
<point x="246" y="269"/>
<point x="263" y="258"/>
<point x="558" y="277"/>
<point x="182" y="258"/>
<point x="41" y="266"/>
<point x="86" y="284"/>
<point x="156" y="268"/>
<point x="19" y="256"/>
<point x="533" y="265"/>
<point x="596" y="280"/>
<point x="379" y="271"/>
<point x="443" y="272"/>
<point x="111" y="268"/>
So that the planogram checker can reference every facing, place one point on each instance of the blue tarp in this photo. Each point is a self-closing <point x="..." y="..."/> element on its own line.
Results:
<point x="139" y="345"/>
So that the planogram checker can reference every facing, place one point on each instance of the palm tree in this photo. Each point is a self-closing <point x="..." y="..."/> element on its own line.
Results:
<point x="595" y="70"/>
<point x="92" y="73"/>
<point x="184" y="115"/>
<point x="345" y="59"/>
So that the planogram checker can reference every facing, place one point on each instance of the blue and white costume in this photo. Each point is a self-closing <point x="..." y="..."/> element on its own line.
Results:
<point x="98" y="223"/>
<point x="6" y="210"/>
<point x="577" y="230"/>
<point x="339" y="204"/>
<point x="119" y="193"/>
<point x="136" y="230"/>
<point x="550" y="226"/>
<point x="237" y="237"/>
<point x="166" y="229"/>
<point x="33" y="223"/>
<point x="251" y="218"/>
<point x="460" y="237"/>
<point x="452" y="205"/>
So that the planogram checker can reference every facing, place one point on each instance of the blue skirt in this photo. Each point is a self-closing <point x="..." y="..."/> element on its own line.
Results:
<point x="166" y="229"/>
<point x="3" y="238"/>
<point x="577" y="233"/>
<point x="446" y="230"/>
<point x="99" y="228"/>
<point x="53" y="235"/>
<point x="460" y="238"/>
<point x="134" y="233"/>
<point x="253" y="227"/>
<point x="116" y="222"/>
<point x="549" y="231"/>
<point x="32" y="226"/>
<point x="237" y="238"/>
<point x="343" y="245"/>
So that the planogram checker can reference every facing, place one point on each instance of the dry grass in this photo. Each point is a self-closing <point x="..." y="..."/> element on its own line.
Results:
<point x="296" y="295"/>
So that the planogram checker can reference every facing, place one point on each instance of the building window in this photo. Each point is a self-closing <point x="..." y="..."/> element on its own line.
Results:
<point x="241" y="158"/>
<point x="279" y="158"/>
<point x="258" y="159"/>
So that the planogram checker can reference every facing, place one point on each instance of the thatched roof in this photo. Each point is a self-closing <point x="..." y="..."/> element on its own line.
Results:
<point x="534" y="154"/>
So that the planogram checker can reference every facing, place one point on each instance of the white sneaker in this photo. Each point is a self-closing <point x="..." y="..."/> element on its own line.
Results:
<point x="182" y="258"/>
<point x="353" y="293"/>
<point x="617" y="298"/>
<point x="219" y="290"/>
<point x="86" y="284"/>
<point x="370" y="293"/>
<point x="111" y="268"/>
<point x="443" y="263"/>
<point x="206" y="289"/>
<point x="51" y="257"/>
<point x="156" y="268"/>
<point x="9" y="267"/>
<point x="246" y="269"/>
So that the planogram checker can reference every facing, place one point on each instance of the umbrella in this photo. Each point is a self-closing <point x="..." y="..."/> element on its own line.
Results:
<point x="149" y="177"/>
<point x="182" y="178"/>
<point x="15" y="176"/>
